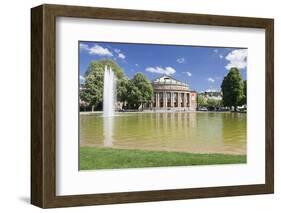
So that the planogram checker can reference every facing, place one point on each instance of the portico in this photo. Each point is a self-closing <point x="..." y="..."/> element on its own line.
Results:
<point x="172" y="94"/>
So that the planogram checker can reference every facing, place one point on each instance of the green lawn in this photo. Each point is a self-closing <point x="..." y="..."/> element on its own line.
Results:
<point x="108" y="158"/>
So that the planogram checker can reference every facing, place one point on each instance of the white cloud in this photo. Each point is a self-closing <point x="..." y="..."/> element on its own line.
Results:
<point x="237" y="58"/>
<point x="121" y="55"/>
<point x="211" y="80"/>
<point x="84" y="47"/>
<point x="188" y="73"/>
<point x="99" y="50"/>
<point x="180" y="60"/>
<point x="216" y="50"/>
<point x="160" y="70"/>
<point x="137" y="65"/>
<point x="221" y="56"/>
<point x="96" y="50"/>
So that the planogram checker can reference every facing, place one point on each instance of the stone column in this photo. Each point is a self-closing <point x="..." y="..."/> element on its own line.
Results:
<point x="184" y="99"/>
<point x="179" y="99"/>
<point x="172" y="99"/>
<point x="160" y="94"/>
<point x="164" y="99"/>
<point x="157" y="100"/>
<point x="176" y="95"/>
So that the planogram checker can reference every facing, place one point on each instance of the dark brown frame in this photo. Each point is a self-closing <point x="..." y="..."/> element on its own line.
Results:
<point x="43" y="105"/>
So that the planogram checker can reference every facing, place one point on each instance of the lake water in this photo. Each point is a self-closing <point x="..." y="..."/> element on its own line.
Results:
<point x="195" y="132"/>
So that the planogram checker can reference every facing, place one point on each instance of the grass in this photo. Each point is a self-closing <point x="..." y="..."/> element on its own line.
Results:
<point x="108" y="158"/>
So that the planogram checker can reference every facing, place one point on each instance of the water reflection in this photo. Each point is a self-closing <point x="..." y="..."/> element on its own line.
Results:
<point x="108" y="123"/>
<point x="181" y="131"/>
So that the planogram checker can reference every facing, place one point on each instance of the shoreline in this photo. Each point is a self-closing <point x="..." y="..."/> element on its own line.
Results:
<point x="157" y="111"/>
<point x="167" y="151"/>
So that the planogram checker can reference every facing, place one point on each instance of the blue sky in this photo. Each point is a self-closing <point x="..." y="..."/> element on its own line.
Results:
<point x="203" y="68"/>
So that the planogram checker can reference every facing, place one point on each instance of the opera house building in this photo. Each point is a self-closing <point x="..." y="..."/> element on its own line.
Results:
<point x="171" y="94"/>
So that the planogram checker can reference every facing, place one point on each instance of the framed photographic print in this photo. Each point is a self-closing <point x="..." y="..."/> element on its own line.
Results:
<point x="136" y="106"/>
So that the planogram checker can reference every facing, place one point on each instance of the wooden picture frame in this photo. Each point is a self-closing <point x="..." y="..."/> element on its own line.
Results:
<point x="43" y="105"/>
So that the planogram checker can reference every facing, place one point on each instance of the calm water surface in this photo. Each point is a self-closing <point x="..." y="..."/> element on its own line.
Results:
<point x="197" y="132"/>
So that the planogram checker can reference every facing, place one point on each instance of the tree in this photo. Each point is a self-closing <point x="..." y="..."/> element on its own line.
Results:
<point x="232" y="88"/>
<point x="213" y="103"/>
<point x="122" y="89"/>
<point x="98" y="67"/>
<point x="244" y="99"/>
<point x="140" y="91"/>
<point x="92" y="92"/>
<point x="201" y="101"/>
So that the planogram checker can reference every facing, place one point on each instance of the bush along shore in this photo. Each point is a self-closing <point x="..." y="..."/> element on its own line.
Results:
<point x="109" y="158"/>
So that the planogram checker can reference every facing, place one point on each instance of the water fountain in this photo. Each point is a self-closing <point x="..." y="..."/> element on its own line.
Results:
<point x="109" y="92"/>
<point x="109" y="99"/>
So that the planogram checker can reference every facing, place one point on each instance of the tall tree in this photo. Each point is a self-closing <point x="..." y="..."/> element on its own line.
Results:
<point x="201" y="101"/>
<point x="92" y="92"/>
<point x="122" y="89"/>
<point x="232" y="88"/>
<point x="244" y="99"/>
<point x="140" y="91"/>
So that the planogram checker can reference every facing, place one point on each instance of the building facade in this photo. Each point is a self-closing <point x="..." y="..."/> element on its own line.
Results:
<point x="171" y="94"/>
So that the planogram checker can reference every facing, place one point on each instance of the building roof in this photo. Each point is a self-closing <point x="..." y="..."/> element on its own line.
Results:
<point x="168" y="80"/>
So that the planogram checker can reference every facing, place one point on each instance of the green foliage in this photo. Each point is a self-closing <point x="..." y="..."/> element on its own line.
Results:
<point x="214" y="102"/>
<point x="93" y="86"/>
<point x="92" y="92"/>
<point x="244" y="99"/>
<point x="201" y="101"/>
<point x="98" y="67"/>
<point x="122" y="89"/>
<point x="140" y="91"/>
<point x="232" y="88"/>
<point x="210" y="103"/>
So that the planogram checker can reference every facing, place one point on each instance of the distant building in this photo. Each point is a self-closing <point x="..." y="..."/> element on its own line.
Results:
<point x="211" y="94"/>
<point x="171" y="94"/>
